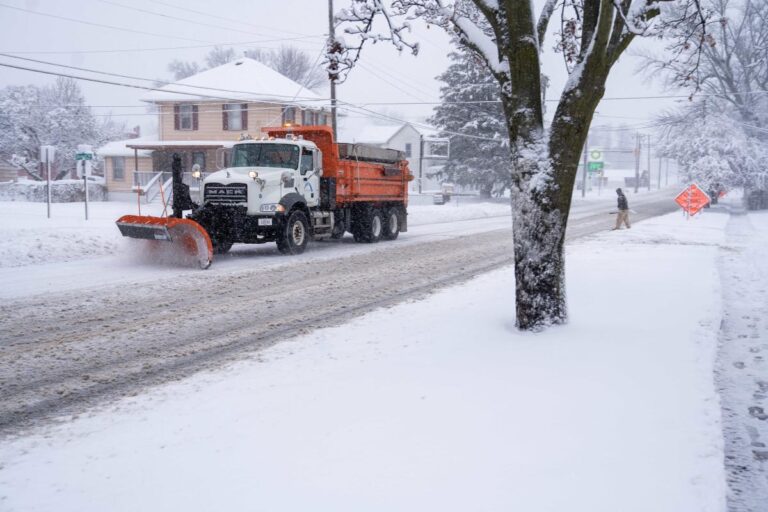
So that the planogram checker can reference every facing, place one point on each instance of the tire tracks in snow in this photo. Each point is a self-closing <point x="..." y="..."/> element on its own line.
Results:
<point x="63" y="353"/>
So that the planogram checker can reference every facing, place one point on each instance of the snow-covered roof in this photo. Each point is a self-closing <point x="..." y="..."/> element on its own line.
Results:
<point x="240" y="80"/>
<point x="427" y="131"/>
<point x="369" y="134"/>
<point x="120" y="148"/>
<point x="380" y="133"/>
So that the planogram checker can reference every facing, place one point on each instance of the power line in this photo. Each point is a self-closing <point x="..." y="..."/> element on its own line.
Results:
<point x="130" y="77"/>
<point x="378" y="103"/>
<point x="758" y="128"/>
<point x="101" y="25"/>
<point x="406" y="80"/>
<point x="211" y="15"/>
<point x="142" y="87"/>
<point x="186" y="20"/>
<point x="345" y="105"/>
<point x="164" y="48"/>
<point x="391" y="83"/>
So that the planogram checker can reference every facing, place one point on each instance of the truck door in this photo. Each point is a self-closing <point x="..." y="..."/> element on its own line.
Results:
<point x="310" y="176"/>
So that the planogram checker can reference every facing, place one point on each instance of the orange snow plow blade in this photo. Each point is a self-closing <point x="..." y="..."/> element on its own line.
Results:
<point x="186" y="235"/>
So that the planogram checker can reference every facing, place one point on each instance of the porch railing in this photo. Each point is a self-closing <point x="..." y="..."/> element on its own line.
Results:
<point x="148" y="185"/>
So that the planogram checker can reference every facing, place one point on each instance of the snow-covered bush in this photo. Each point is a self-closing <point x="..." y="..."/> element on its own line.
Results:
<point x="719" y="150"/>
<point x="62" y="191"/>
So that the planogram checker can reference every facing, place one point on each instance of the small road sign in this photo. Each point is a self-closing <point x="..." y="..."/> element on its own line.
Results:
<point x="595" y="155"/>
<point x="594" y="166"/>
<point x="692" y="199"/>
<point x="83" y="156"/>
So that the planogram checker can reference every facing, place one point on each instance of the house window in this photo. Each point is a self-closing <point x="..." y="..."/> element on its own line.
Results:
<point x="408" y="150"/>
<point x="289" y="115"/>
<point x="322" y="119"/>
<point x="186" y="115"/>
<point x="198" y="157"/>
<point x="235" y="116"/>
<point x="118" y="168"/>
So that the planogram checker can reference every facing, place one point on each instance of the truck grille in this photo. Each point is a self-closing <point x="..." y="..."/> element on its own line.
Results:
<point x="216" y="193"/>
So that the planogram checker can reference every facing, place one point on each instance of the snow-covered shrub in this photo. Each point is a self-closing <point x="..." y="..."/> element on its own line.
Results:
<point x="63" y="191"/>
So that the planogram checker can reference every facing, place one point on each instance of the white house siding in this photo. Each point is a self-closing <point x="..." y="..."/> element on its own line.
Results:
<point x="124" y="185"/>
<point x="409" y="135"/>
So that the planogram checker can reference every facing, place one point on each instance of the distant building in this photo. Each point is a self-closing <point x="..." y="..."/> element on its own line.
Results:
<point x="405" y="137"/>
<point x="208" y="111"/>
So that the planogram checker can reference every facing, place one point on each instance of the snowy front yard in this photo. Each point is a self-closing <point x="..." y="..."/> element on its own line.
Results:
<point x="434" y="405"/>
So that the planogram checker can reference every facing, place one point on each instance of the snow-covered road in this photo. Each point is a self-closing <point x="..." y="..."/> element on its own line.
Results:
<point x="70" y="245"/>
<point x="438" y="404"/>
<point x="76" y="332"/>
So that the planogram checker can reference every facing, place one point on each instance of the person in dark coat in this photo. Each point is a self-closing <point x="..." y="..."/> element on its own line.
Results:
<point x="623" y="206"/>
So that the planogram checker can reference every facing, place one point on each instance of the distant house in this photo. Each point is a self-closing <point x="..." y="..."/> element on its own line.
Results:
<point x="120" y="162"/>
<point x="208" y="111"/>
<point x="407" y="138"/>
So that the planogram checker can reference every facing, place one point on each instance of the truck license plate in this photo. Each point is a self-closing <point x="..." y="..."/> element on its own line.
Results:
<point x="265" y="222"/>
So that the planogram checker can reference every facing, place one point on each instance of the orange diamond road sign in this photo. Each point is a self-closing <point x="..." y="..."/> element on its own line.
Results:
<point x="692" y="199"/>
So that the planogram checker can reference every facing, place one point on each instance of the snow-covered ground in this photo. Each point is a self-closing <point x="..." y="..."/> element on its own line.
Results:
<point x="68" y="252"/>
<point x="434" y="405"/>
<point x="742" y="373"/>
<point x="28" y="236"/>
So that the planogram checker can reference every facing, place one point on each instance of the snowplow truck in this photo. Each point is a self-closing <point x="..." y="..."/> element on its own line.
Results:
<point x="296" y="183"/>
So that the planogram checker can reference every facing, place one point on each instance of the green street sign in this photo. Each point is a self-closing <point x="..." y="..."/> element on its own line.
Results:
<point x="83" y="156"/>
<point x="595" y="166"/>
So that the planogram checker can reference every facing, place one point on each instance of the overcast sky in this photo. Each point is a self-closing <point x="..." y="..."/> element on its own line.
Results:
<point x="144" y="35"/>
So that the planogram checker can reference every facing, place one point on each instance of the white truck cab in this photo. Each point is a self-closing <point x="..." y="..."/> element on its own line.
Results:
<point x="262" y="172"/>
<point x="269" y="191"/>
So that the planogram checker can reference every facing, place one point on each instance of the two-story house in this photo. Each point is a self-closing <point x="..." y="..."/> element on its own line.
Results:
<point x="208" y="111"/>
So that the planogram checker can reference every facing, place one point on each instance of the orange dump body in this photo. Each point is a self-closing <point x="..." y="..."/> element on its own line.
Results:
<point x="358" y="178"/>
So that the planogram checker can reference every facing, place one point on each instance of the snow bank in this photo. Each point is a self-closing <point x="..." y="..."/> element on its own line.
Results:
<point x="28" y="236"/>
<point x="434" y="405"/>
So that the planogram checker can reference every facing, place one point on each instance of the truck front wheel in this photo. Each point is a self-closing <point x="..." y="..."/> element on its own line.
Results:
<point x="221" y="245"/>
<point x="294" y="236"/>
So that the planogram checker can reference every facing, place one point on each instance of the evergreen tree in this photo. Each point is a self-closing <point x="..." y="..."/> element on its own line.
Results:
<point x="470" y="105"/>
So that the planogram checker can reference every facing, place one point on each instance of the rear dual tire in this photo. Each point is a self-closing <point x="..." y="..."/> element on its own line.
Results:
<point x="391" y="225"/>
<point x="370" y="228"/>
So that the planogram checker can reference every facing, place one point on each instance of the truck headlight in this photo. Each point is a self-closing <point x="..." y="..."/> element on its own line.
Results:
<point x="272" y="208"/>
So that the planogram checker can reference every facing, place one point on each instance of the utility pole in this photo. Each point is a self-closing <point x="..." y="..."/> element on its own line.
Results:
<point x="421" y="158"/>
<point x="659" y="181"/>
<point x="649" y="162"/>
<point x="331" y="42"/>
<point x="584" y="175"/>
<point x="637" y="162"/>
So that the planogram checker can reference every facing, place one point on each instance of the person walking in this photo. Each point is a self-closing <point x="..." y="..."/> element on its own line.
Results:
<point x="623" y="214"/>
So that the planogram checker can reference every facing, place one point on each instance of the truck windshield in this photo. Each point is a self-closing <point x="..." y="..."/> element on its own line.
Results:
<point x="266" y="155"/>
